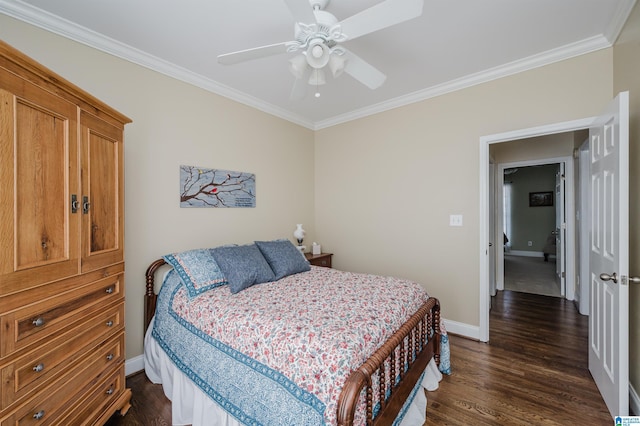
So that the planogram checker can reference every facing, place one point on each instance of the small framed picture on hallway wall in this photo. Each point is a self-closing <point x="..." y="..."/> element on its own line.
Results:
<point x="541" y="199"/>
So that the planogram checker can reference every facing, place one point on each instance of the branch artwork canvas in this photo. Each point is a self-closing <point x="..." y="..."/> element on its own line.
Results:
<point x="201" y="187"/>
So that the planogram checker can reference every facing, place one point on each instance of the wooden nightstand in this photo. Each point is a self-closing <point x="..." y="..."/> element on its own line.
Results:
<point x="322" y="259"/>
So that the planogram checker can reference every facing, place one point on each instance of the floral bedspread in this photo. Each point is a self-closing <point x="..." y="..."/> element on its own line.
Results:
<point x="280" y="352"/>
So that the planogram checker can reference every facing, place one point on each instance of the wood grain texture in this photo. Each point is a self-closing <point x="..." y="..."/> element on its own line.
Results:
<point x="533" y="372"/>
<point x="58" y="319"/>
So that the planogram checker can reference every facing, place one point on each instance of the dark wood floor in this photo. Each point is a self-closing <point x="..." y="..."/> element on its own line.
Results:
<point x="533" y="372"/>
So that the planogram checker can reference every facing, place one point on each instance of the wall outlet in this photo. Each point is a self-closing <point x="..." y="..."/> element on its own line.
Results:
<point x="530" y="243"/>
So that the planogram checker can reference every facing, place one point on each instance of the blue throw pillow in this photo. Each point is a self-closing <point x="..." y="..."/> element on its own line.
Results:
<point x="243" y="266"/>
<point x="197" y="269"/>
<point x="283" y="257"/>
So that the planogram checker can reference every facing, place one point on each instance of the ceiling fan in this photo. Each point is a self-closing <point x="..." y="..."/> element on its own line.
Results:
<point x="317" y="37"/>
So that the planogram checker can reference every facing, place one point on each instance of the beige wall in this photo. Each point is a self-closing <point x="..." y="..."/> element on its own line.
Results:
<point x="626" y="62"/>
<point x="377" y="191"/>
<point x="386" y="184"/>
<point x="539" y="148"/>
<point x="173" y="124"/>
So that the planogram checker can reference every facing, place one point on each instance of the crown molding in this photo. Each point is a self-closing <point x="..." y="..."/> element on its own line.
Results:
<point x="57" y="25"/>
<point x="549" y="57"/>
<point x="60" y="26"/>
<point x="619" y="19"/>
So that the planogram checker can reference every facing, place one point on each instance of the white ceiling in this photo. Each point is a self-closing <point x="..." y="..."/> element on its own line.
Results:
<point x="454" y="44"/>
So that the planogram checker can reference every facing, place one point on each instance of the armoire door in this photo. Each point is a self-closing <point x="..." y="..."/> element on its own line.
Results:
<point x="102" y="192"/>
<point x="39" y="176"/>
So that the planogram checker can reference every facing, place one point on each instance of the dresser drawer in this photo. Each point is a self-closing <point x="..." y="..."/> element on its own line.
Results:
<point x="32" y="371"/>
<point x="48" y="406"/>
<point x="49" y="318"/>
<point x="104" y="395"/>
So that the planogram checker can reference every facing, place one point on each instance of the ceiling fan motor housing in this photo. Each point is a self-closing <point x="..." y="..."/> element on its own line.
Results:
<point x="318" y="37"/>
<point x="318" y="4"/>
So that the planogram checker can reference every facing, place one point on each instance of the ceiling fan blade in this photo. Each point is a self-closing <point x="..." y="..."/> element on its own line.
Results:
<point x="382" y="15"/>
<point x="362" y="71"/>
<point x="254" y="53"/>
<point x="301" y="11"/>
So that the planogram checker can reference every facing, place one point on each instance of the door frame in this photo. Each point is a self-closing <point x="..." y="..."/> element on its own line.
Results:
<point x="584" y="223"/>
<point x="486" y="209"/>
<point x="569" y="251"/>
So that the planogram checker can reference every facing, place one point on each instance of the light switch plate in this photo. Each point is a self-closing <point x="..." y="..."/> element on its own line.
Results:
<point x="455" y="220"/>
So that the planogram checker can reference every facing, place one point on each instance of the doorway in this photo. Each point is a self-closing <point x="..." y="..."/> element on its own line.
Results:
<point x="487" y="210"/>
<point x="532" y="217"/>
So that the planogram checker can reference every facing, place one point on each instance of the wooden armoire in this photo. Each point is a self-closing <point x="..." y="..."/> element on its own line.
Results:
<point x="61" y="250"/>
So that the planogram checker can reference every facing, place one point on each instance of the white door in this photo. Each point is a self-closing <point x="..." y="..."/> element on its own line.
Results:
<point x="561" y="227"/>
<point x="494" y="244"/>
<point x="609" y="255"/>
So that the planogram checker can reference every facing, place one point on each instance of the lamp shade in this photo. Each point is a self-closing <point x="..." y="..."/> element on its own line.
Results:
<point x="317" y="78"/>
<point x="299" y="233"/>
<point x="298" y="65"/>
<point x="318" y="54"/>
<point x="336" y="65"/>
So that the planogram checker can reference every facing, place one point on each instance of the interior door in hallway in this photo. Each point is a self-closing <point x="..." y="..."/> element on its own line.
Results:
<point x="561" y="228"/>
<point x="609" y="255"/>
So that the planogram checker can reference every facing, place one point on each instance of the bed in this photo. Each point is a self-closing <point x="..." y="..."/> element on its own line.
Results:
<point x="233" y="345"/>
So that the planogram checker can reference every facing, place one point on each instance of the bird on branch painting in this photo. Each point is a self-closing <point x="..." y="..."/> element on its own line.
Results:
<point x="201" y="187"/>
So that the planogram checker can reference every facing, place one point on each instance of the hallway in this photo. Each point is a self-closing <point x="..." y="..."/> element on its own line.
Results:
<point x="531" y="275"/>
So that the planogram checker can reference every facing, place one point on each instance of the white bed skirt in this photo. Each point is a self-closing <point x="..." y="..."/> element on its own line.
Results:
<point x="191" y="406"/>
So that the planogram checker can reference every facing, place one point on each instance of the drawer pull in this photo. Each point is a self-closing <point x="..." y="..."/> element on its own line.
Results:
<point x="109" y="357"/>
<point x="109" y="290"/>
<point x="109" y="391"/>
<point x="109" y="323"/>
<point x="38" y="368"/>
<point x="38" y="322"/>
<point x="38" y="415"/>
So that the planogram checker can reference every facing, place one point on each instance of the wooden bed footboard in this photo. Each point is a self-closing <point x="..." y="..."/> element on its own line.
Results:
<point x="403" y="356"/>
<point x="408" y="350"/>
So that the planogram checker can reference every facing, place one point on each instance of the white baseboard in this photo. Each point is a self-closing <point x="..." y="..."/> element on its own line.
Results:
<point x="525" y="253"/>
<point x="133" y="365"/>
<point x="634" y="401"/>
<point x="462" y="329"/>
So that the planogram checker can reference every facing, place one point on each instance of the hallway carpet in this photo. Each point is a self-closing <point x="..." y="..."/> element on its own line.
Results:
<point x="531" y="275"/>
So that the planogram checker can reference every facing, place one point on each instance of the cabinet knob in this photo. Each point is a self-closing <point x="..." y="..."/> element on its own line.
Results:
<point x="38" y="368"/>
<point x="109" y="357"/>
<point x="109" y="323"/>
<point x="109" y="290"/>
<point x="38" y="322"/>
<point x="109" y="391"/>
<point x="38" y="415"/>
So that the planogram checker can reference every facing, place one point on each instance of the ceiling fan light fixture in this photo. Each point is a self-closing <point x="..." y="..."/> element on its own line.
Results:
<point x="298" y="66"/>
<point x="336" y="65"/>
<point x="317" y="78"/>
<point x="318" y="36"/>
<point x="318" y="54"/>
